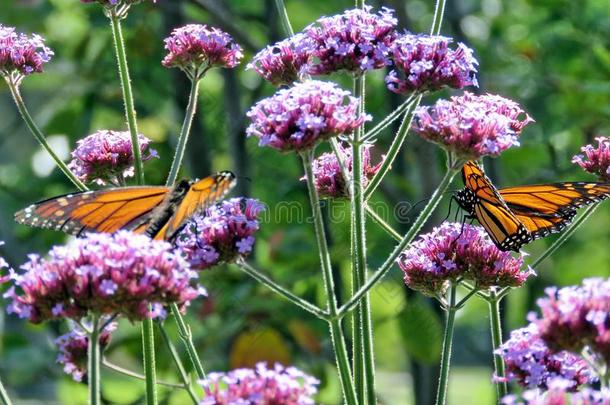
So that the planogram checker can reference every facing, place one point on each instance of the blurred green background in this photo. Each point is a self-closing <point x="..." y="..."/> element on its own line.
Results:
<point x="552" y="56"/>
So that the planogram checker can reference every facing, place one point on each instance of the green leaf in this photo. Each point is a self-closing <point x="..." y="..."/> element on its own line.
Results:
<point x="422" y="332"/>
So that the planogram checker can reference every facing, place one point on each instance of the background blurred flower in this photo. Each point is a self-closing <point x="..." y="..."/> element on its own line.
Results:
<point x="101" y="273"/>
<point x="355" y="41"/>
<point x="107" y="157"/>
<point x="21" y="54"/>
<point x="596" y="160"/>
<point x="472" y="126"/>
<point x="260" y="386"/>
<point x="299" y="117"/>
<point x="558" y="395"/>
<point x="425" y="62"/>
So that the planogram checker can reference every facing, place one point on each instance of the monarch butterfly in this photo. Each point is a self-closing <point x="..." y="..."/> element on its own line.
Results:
<point x="160" y="212"/>
<point x="515" y="216"/>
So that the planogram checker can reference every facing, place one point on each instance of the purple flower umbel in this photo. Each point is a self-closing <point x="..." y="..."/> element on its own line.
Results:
<point x="424" y="62"/>
<point x="223" y="233"/>
<point x="260" y="386"/>
<point x="472" y="126"/>
<point x="101" y="273"/>
<point x="107" y="157"/>
<point x="196" y="48"/>
<point x="596" y="160"/>
<point x="449" y="252"/>
<point x="21" y="54"/>
<point x="299" y="117"/>
<point x="355" y="41"/>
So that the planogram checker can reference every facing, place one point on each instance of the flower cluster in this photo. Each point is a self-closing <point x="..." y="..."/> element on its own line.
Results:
<point x="328" y="177"/>
<point x="355" y="41"/>
<point x="105" y="274"/>
<point x="532" y="364"/>
<point x="596" y="160"/>
<point x="73" y="350"/>
<point x="260" y="386"/>
<point x="455" y="250"/>
<point x="107" y="157"/>
<point x="282" y="63"/>
<point x="195" y="48"/>
<point x="559" y="395"/>
<point x="299" y="117"/>
<point x="424" y="62"/>
<point x="221" y="234"/>
<point x="472" y="126"/>
<point x="577" y="318"/>
<point x="21" y="54"/>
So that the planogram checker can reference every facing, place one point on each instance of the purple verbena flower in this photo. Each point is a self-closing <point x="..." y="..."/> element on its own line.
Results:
<point x="73" y="350"/>
<point x="299" y="117"/>
<point x="472" y="126"/>
<point x="196" y="48"/>
<point x="328" y="177"/>
<point x="577" y="318"/>
<point x="101" y="273"/>
<point x="21" y="54"/>
<point x="559" y="395"/>
<point x="596" y="160"/>
<point x="223" y="233"/>
<point x="455" y="250"/>
<point x="282" y="63"/>
<point x="426" y="63"/>
<point x="260" y="386"/>
<point x="107" y="157"/>
<point x="355" y="41"/>
<point x="532" y="364"/>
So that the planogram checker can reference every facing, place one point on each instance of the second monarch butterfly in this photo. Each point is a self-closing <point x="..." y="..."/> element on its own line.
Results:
<point x="515" y="216"/>
<point x="160" y="212"/>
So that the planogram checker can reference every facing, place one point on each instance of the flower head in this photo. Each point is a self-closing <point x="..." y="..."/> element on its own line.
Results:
<point x="196" y="48"/>
<point x="596" y="160"/>
<point x="299" y="117"/>
<point x="425" y="62"/>
<point x="260" y="386"/>
<point x="532" y="364"/>
<point x="21" y="54"/>
<point x="355" y="41"/>
<point x="455" y="250"/>
<point x="559" y="395"/>
<point x="107" y="156"/>
<point x="282" y="63"/>
<point x="329" y="178"/>
<point x="221" y="234"/>
<point x="472" y="126"/>
<point x="101" y="273"/>
<point x="577" y="318"/>
<point x="73" y="348"/>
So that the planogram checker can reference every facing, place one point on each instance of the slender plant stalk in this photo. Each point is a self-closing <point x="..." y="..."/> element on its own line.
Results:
<point x="187" y="338"/>
<point x="384" y="225"/>
<point x="298" y="301"/>
<point x="443" y="380"/>
<point x="6" y="400"/>
<point x="336" y="332"/>
<point x="130" y="111"/>
<point x="148" y="347"/>
<point x="413" y="231"/>
<point x="93" y="363"/>
<point x="437" y="21"/>
<point x="191" y="109"/>
<point x="390" y="118"/>
<point x="29" y="121"/>
<point x="283" y="14"/>
<point x="397" y="143"/>
<point x="496" y="339"/>
<point x="130" y="373"/>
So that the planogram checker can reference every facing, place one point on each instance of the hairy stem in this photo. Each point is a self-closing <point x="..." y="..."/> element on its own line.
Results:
<point x="390" y="118"/>
<point x="148" y="346"/>
<point x="496" y="339"/>
<point x="93" y="362"/>
<point x="187" y="338"/>
<point x="441" y="393"/>
<point x="6" y="400"/>
<point x="283" y="14"/>
<point x="437" y="21"/>
<point x="130" y="373"/>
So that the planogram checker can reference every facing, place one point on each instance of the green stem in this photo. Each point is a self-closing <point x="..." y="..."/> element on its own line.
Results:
<point x="29" y="121"/>
<point x="283" y="14"/>
<point x="565" y="235"/>
<point x="186" y="381"/>
<point x="336" y="331"/>
<point x="496" y="338"/>
<point x="6" y="400"/>
<point x="273" y="286"/>
<point x="130" y="373"/>
<point x="439" y="10"/>
<point x="397" y="143"/>
<point x="187" y="338"/>
<point x="441" y="393"/>
<point x="130" y="111"/>
<point x="384" y="225"/>
<point x="389" y="262"/>
<point x="148" y="346"/>
<point x="390" y="118"/>
<point x="93" y="363"/>
<point x="191" y="109"/>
